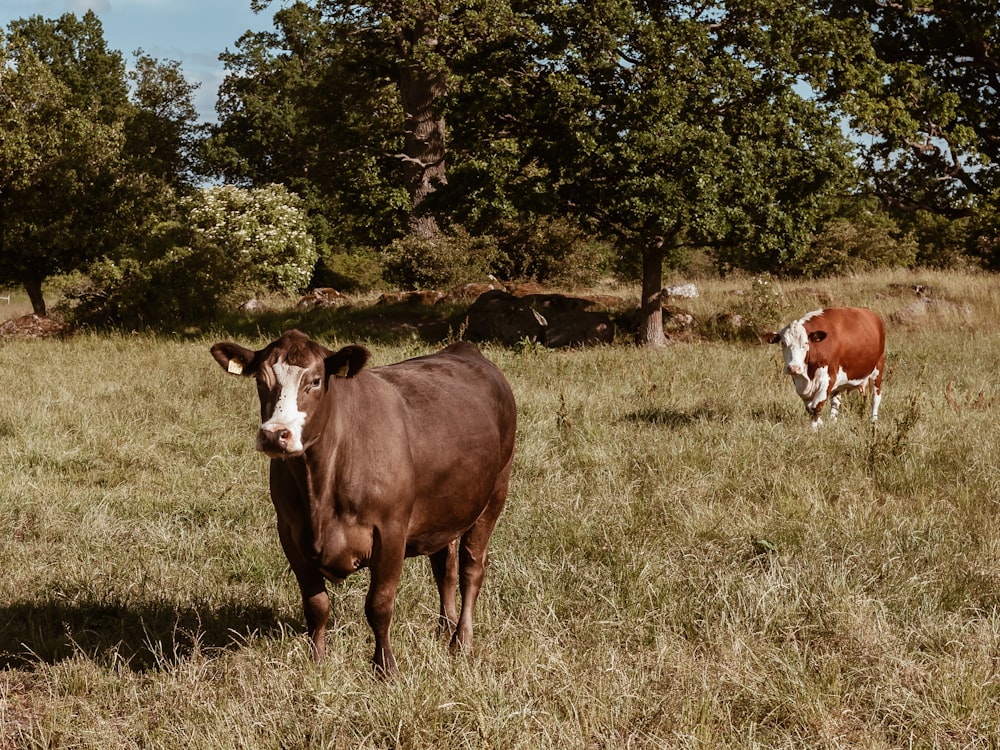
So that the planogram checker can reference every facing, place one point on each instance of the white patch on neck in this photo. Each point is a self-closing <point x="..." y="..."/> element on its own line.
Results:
<point x="286" y="414"/>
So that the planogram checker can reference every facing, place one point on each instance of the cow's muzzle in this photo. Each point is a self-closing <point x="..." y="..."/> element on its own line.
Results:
<point x="794" y="370"/>
<point x="274" y="441"/>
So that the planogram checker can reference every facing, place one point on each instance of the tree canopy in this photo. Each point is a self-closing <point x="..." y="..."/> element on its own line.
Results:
<point x="69" y="132"/>
<point x="922" y="84"/>
<point x="517" y="131"/>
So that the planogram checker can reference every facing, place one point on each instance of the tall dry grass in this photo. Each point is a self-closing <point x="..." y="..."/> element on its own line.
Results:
<point x="682" y="562"/>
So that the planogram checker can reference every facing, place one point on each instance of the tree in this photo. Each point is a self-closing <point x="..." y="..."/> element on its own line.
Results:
<point x="921" y="81"/>
<point x="665" y="124"/>
<point x="363" y="84"/>
<point x="59" y="142"/>
<point x="164" y="137"/>
<point x="68" y="131"/>
<point x="308" y="106"/>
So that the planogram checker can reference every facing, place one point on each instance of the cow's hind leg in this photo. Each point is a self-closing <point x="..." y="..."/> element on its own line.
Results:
<point x="876" y="382"/>
<point x="444" y="565"/>
<point x="472" y="557"/>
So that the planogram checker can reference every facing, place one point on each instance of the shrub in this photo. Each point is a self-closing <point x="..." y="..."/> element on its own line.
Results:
<point x="227" y="245"/>
<point x="556" y="252"/>
<point x="761" y="308"/>
<point x="864" y="243"/>
<point x="261" y="233"/>
<point x="442" y="261"/>
<point x="357" y="270"/>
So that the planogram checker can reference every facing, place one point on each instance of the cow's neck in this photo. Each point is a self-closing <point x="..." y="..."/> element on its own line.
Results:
<point x="317" y="470"/>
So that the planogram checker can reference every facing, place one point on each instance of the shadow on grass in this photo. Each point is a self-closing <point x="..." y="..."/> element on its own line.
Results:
<point x="384" y="324"/>
<point x="140" y="635"/>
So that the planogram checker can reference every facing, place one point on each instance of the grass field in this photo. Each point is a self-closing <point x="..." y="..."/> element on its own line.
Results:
<point x="682" y="562"/>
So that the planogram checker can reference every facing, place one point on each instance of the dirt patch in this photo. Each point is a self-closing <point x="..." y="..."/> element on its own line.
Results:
<point x="33" y="327"/>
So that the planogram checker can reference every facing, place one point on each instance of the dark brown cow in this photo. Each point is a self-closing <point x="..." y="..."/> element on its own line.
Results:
<point x="369" y="466"/>
<point x="829" y="352"/>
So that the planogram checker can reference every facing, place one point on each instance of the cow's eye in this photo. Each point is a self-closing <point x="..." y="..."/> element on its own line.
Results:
<point x="316" y="383"/>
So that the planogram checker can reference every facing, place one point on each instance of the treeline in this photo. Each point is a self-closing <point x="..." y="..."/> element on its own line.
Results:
<point x="425" y="144"/>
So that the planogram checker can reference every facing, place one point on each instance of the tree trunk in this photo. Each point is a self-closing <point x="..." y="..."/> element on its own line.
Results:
<point x="424" y="149"/>
<point x="650" y="309"/>
<point x="33" y="287"/>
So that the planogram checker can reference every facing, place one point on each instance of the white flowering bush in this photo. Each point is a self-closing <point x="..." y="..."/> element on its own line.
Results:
<point x="258" y="234"/>
<point x="224" y="246"/>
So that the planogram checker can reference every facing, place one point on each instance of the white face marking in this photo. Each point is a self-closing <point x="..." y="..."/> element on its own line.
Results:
<point x="794" y="347"/>
<point x="286" y="414"/>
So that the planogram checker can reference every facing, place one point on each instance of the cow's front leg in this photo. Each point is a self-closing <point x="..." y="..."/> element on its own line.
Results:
<point x="817" y="414"/>
<point x="379" y="603"/>
<point x="316" y="604"/>
<point x="315" y="601"/>
<point x="835" y="407"/>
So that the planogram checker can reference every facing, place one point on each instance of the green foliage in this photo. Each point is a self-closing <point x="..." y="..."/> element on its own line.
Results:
<point x="313" y="105"/>
<point x="764" y="306"/>
<point x="944" y="242"/>
<point x="357" y="270"/>
<point x="920" y="83"/>
<point x="163" y="137"/>
<point x="61" y="117"/>
<point x="850" y="245"/>
<point x="105" y="165"/>
<point x="442" y="261"/>
<point x="227" y="246"/>
<point x="554" y="251"/>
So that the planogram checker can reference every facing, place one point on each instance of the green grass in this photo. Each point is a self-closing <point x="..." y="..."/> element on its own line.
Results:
<point x="682" y="562"/>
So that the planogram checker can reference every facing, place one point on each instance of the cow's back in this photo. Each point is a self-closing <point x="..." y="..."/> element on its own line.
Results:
<point x="458" y="419"/>
<point x="854" y="341"/>
<point x="454" y="389"/>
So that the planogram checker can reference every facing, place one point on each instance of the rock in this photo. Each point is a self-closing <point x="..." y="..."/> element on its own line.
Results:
<point x="683" y="291"/>
<point x="554" y="320"/>
<point x="676" y="319"/>
<point x="429" y="297"/>
<point x="500" y="316"/>
<point x="576" y="328"/>
<point x="323" y="298"/>
<point x="252" y="306"/>
<point x="467" y="292"/>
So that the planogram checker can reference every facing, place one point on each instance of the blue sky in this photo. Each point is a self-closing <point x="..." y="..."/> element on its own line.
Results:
<point x="192" y="32"/>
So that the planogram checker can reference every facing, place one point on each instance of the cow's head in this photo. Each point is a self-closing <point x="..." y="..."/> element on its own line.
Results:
<point x="795" y="340"/>
<point x="293" y="373"/>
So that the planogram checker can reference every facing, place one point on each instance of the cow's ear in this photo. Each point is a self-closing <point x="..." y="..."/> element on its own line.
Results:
<point x="817" y="336"/>
<point x="347" y="362"/>
<point x="234" y="358"/>
<point x="771" y="338"/>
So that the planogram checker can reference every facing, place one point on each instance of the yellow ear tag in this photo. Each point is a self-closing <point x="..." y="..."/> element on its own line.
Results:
<point x="235" y="366"/>
<point x="342" y="372"/>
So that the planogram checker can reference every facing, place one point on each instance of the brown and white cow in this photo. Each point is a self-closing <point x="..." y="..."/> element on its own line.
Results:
<point x="369" y="466"/>
<point x="831" y="351"/>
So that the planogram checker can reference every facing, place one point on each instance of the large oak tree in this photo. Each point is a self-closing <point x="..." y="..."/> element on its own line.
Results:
<point x="671" y="124"/>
